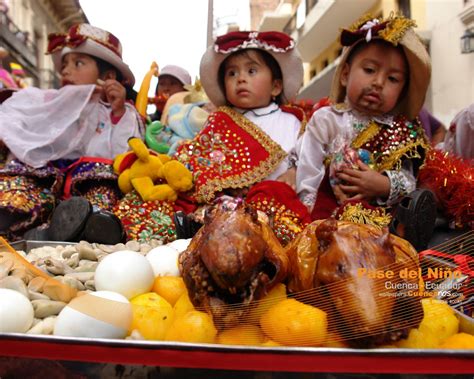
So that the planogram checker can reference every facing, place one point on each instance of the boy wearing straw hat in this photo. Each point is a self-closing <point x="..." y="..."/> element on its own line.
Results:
<point x="367" y="139"/>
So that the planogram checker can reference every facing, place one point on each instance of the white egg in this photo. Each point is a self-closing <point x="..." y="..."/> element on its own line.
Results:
<point x="164" y="260"/>
<point x="180" y="245"/>
<point x="126" y="272"/>
<point x="101" y="314"/>
<point x="16" y="312"/>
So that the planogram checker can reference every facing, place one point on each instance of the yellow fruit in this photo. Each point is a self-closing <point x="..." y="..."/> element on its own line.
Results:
<point x="183" y="305"/>
<point x="194" y="326"/>
<point x="170" y="287"/>
<point x="270" y="343"/>
<point x="293" y="323"/>
<point x="241" y="335"/>
<point x="438" y="324"/>
<point x="438" y="319"/>
<point x="334" y="340"/>
<point x="152" y="315"/>
<point x="418" y="340"/>
<point x="459" y="341"/>
<point x="277" y="294"/>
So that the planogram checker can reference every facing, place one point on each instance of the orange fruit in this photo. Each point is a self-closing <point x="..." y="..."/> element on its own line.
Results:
<point x="194" y="326"/>
<point x="293" y="323"/>
<point x="459" y="341"/>
<point x="259" y="307"/>
<point x="183" y="305"/>
<point x="169" y="287"/>
<point x="152" y="315"/>
<point x="241" y="335"/>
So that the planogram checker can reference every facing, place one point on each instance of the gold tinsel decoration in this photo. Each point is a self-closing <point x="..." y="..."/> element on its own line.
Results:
<point x="360" y="215"/>
<point x="396" y="27"/>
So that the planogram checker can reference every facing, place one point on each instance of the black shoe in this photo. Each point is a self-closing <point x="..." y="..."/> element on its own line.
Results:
<point x="185" y="227"/>
<point x="37" y="234"/>
<point x="69" y="219"/>
<point x="415" y="218"/>
<point x="103" y="227"/>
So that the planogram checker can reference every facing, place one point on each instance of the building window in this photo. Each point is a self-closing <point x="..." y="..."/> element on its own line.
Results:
<point x="325" y="63"/>
<point x="312" y="73"/>
<point x="404" y="7"/>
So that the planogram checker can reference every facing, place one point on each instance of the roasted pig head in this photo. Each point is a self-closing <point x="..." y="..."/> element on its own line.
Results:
<point x="355" y="271"/>
<point x="232" y="260"/>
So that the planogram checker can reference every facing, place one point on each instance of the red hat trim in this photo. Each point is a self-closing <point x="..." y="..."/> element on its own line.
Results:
<point x="271" y="41"/>
<point x="78" y="34"/>
<point x="230" y="152"/>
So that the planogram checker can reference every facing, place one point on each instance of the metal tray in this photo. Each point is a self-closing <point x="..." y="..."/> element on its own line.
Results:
<point x="232" y="357"/>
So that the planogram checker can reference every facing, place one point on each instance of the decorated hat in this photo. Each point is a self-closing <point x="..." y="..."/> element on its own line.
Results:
<point x="17" y="69"/>
<point x="88" y="39"/>
<point x="277" y="44"/>
<point x="396" y="30"/>
<point x="176" y="72"/>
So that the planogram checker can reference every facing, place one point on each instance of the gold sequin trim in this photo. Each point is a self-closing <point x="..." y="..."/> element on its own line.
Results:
<point x="256" y="174"/>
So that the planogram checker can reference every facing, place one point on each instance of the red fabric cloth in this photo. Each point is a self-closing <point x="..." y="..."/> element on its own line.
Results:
<point x="230" y="152"/>
<point x="326" y="202"/>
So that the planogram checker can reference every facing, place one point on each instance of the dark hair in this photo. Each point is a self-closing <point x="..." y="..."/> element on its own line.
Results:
<point x="103" y="67"/>
<point x="269" y="61"/>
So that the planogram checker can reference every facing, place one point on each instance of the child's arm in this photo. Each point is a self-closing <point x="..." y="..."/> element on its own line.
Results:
<point x="115" y="95"/>
<point x="289" y="177"/>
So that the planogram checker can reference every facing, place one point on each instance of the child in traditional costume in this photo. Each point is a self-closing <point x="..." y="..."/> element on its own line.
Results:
<point x="248" y="145"/>
<point x="360" y="155"/>
<point x="62" y="142"/>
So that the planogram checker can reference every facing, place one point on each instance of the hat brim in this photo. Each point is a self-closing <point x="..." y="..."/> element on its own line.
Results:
<point x="290" y="63"/>
<point x="420" y="73"/>
<point x="95" y="49"/>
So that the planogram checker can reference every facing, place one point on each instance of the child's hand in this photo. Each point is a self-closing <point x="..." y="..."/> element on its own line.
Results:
<point x="289" y="177"/>
<point x="364" y="183"/>
<point x="115" y="95"/>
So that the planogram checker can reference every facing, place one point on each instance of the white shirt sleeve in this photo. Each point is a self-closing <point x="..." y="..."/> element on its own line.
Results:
<point x="311" y="149"/>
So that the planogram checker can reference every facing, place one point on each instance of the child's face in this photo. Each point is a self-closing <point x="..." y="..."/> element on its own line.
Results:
<point x="169" y="85"/>
<point x="248" y="81"/>
<point x="375" y="79"/>
<point x="77" y="68"/>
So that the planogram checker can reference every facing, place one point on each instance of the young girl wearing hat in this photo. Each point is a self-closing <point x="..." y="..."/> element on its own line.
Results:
<point x="251" y="138"/>
<point x="63" y="141"/>
<point x="378" y="88"/>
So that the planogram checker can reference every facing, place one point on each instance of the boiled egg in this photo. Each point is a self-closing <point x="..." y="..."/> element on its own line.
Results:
<point x="16" y="312"/>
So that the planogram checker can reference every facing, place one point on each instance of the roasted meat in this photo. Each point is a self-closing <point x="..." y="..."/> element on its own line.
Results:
<point x="355" y="273"/>
<point x="234" y="259"/>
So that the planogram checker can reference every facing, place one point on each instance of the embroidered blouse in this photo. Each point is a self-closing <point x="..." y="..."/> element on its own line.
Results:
<point x="392" y="141"/>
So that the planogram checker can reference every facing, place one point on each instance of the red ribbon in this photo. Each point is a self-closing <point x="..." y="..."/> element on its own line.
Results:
<point x="348" y="38"/>
<point x="275" y="41"/>
<point x="57" y="41"/>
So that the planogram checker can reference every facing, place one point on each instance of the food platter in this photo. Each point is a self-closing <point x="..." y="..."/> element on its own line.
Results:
<point x="88" y="351"/>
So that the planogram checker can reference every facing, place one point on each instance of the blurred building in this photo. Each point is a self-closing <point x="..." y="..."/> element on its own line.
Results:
<point x="446" y="26"/>
<point x="24" y="29"/>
